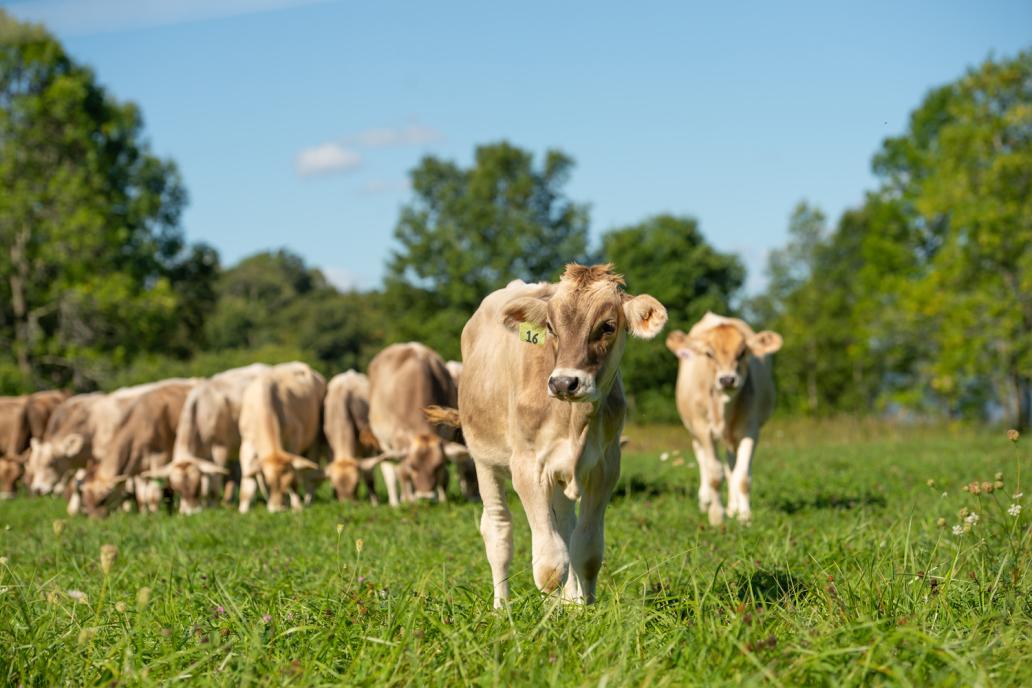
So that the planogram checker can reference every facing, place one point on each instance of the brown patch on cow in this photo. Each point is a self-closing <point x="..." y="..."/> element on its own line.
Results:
<point x="549" y="577"/>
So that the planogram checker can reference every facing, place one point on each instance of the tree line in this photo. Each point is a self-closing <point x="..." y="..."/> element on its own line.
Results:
<point x="918" y="301"/>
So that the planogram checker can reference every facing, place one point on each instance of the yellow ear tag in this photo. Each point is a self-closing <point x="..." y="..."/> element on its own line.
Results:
<point x="531" y="333"/>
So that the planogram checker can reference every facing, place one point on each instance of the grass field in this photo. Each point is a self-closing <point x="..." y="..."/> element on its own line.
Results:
<point x="846" y="577"/>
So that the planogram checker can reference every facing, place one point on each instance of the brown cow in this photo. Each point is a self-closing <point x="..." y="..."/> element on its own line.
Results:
<point x="142" y="442"/>
<point x="22" y="420"/>
<point x="354" y="451"/>
<point x="725" y="393"/>
<point x="403" y="380"/>
<point x="541" y="399"/>
<point x="207" y="436"/>
<point x="280" y="419"/>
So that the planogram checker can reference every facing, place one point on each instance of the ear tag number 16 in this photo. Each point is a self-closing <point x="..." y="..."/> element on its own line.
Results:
<point x="531" y="333"/>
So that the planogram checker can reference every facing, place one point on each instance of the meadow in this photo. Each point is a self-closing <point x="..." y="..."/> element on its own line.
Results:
<point x="851" y="573"/>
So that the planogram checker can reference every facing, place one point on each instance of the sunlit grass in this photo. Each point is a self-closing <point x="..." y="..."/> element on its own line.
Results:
<point x="846" y="577"/>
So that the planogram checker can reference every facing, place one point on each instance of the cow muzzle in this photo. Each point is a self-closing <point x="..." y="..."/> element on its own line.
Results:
<point x="727" y="381"/>
<point x="570" y="384"/>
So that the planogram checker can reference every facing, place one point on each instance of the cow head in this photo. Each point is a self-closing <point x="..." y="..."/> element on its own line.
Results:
<point x="185" y="476"/>
<point x="51" y="460"/>
<point x="99" y="494"/>
<point x="725" y="350"/>
<point x="10" y="471"/>
<point x="281" y="473"/>
<point x="345" y="472"/>
<point x="587" y="318"/>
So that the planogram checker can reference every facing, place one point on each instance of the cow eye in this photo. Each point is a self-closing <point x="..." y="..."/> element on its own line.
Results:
<point x="548" y="326"/>
<point x="709" y="354"/>
<point x="608" y="328"/>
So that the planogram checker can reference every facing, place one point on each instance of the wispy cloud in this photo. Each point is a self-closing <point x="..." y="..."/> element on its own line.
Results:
<point x="78" y="17"/>
<point x="327" y="158"/>
<point x="340" y="155"/>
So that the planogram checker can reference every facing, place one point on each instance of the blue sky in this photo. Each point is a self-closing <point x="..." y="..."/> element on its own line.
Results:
<point x="295" y="122"/>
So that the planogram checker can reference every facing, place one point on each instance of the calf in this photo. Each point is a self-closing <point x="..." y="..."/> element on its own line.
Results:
<point x="541" y="400"/>
<point x="725" y="393"/>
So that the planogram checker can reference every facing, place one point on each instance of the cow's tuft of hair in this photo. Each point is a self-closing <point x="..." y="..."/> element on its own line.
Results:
<point x="440" y="415"/>
<point x="582" y="276"/>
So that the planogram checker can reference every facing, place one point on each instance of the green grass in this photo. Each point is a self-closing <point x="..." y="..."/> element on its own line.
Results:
<point x="844" y="578"/>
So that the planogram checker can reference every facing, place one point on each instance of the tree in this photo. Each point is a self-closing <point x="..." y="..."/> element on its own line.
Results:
<point x="95" y="264"/>
<point x="668" y="257"/>
<point x="962" y="175"/>
<point x="470" y="231"/>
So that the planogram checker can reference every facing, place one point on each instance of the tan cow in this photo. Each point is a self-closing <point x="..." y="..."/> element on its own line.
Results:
<point x="403" y="380"/>
<point x="23" y="420"/>
<point x="542" y="400"/>
<point x="725" y="393"/>
<point x="142" y="442"/>
<point x="279" y="420"/>
<point x="207" y="436"/>
<point x="354" y="451"/>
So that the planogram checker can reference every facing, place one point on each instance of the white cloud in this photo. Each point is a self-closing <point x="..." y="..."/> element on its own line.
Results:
<point x="327" y="158"/>
<point x="412" y="135"/>
<point x="78" y="17"/>
<point x="342" y="278"/>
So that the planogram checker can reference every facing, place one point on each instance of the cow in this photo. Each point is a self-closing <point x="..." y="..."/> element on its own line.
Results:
<point x="455" y="370"/>
<point x="725" y="393"/>
<point x="142" y="441"/>
<point x="207" y="436"/>
<point x="23" y="420"/>
<point x="354" y="451"/>
<point x="542" y="400"/>
<point x="280" y="418"/>
<point x="403" y="380"/>
<point x="77" y="434"/>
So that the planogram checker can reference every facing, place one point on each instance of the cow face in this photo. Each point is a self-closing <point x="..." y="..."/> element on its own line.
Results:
<point x="51" y="460"/>
<point x="586" y="320"/>
<point x="425" y="466"/>
<point x="725" y="349"/>
<point x="99" y="495"/>
<point x="344" y="475"/>
<point x="186" y="477"/>
<point x="10" y="471"/>
<point x="281" y="475"/>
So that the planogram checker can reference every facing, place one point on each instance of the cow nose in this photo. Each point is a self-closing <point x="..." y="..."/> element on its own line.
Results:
<point x="727" y="380"/>
<point x="562" y="385"/>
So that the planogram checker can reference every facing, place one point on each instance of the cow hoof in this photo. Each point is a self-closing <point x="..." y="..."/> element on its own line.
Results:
<point x="716" y="514"/>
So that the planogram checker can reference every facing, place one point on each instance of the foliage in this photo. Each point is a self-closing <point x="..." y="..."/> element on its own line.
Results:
<point x="844" y="578"/>
<point x="469" y="231"/>
<point x="668" y="257"/>
<point x="96" y="267"/>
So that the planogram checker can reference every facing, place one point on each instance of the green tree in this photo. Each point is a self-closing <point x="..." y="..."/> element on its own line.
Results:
<point x="95" y="266"/>
<point x="469" y="231"/>
<point x="962" y="176"/>
<point x="668" y="257"/>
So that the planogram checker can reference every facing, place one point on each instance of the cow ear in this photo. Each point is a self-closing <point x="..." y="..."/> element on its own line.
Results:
<point x="299" y="462"/>
<point x="645" y="315"/>
<point x="455" y="451"/>
<point x="157" y="473"/>
<point x="763" y="343"/>
<point x="525" y="309"/>
<point x="72" y="444"/>
<point x="210" y="468"/>
<point x="676" y="341"/>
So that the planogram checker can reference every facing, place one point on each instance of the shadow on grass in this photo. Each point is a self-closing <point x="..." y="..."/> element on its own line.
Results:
<point x="828" y="501"/>
<point x="637" y="487"/>
<point x="769" y="586"/>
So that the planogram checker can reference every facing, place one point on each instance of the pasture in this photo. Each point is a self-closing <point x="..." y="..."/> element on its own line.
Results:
<point x="845" y="577"/>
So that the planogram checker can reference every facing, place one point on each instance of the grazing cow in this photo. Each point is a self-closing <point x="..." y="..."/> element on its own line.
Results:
<point x="541" y="399"/>
<point x="403" y="380"/>
<point x="280" y="419"/>
<point x="141" y="442"/>
<point x="354" y="451"/>
<point x="22" y="420"/>
<point x="207" y="435"/>
<point x="725" y="393"/>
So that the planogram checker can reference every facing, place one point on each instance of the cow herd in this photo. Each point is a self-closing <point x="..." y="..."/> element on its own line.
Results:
<point x="537" y="399"/>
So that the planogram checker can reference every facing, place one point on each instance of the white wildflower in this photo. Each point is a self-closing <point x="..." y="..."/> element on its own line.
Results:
<point x="1017" y="495"/>
<point x="78" y="596"/>
<point x="972" y="518"/>
<point x="1014" y="510"/>
<point x="664" y="456"/>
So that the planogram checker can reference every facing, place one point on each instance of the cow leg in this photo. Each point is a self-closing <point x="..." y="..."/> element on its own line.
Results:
<point x="551" y="558"/>
<point x="220" y="457"/>
<point x="370" y="482"/>
<point x="711" y="476"/>
<point x="739" y="483"/>
<point x="248" y="487"/>
<point x="390" y="479"/>
<point x="588" y="542"/>
<point x="496" y="529"/>
<point x="565" y="511"/>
